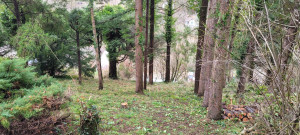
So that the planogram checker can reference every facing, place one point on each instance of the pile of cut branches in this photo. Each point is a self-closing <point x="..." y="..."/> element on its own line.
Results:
<point x="241" y="112"/>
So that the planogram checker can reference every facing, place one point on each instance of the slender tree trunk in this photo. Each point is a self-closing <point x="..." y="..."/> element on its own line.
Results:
<point x="78" y="57"/>
<point x="286" y="50"/>
<point x="169" y="35"/>
<point x="113" y="69"/>
<point x="287" y="46"/>
<point x="17" y="12"/>
<point x="151" y="55"/>
<point x="146" y="46"/>
<point x="168" y="59"/>
<point x="234" y="23"/>
<point x="138" y="48"/>
<point x="246" y="63"/>
<point x="252" y="67"/>
<point x="201" y="32"/>
<point x="100" y="39"/>
<point x="206" y="67"/>
<point x="98" y="56"/>
<point x="219" y="65"/>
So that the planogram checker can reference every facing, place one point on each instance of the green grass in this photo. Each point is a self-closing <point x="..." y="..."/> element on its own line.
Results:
<point x="164" y="109"/>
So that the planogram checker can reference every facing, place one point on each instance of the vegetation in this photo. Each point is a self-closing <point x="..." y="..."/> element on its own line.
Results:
<point x="164" y="109"/>
<point x="215" y="67"/>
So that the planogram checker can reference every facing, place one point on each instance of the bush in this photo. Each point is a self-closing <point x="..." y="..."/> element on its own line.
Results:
<point x="15" y="75"/>
<point x="31" y="104"/>
<point x="89" y="120"/>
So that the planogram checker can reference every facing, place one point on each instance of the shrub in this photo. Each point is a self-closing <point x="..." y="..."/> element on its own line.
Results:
<point x="89" y="120"/>
<point x="31" y="104"/>
<point x="15" y="75"/>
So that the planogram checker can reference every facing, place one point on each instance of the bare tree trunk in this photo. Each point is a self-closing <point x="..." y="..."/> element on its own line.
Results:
<point x="201" y="32"/>
<point x="252" y="67"/>
<point x="246" y="63"/>
<point x="17" y="12"/>
<point x="151" y="55"/>
<point x="138" y="48"/>
<point x="287" y="46"/>
<point x="168" y="59"/>
<point x="113" y="68"/>
<point x="205" y="74"/>
<point x="146" y="46"/>
<point x="219" y="65"/>
<point x="100" y="39"/>
<point x="287" y="50"/>
<point x="234" y="23"/>
<point x="78" y="57"/>
<point x="98" y="56"/>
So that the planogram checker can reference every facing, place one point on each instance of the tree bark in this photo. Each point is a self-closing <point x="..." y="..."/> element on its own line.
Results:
<point x="138" y="48"/>
<point x="17" y="12"/>
<point x="168" y="60"/>
<point x="201" y="32"/>
<point x="246" y="63"/>
<point x="98" y="56"/>
<point x="113" y="68"/>
<point x="146" y="46"/>
<point x="205" y="74"/>
<point x="169" y="39"/>
<point x="287" y="46"/>
<point x="219" y="65"/>
<point x="252" y="67"/>
<point x="78" y="57"/>
<point x="151" y="55"/>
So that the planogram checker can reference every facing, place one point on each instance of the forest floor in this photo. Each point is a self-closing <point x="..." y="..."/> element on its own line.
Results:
<point x="164" y="109"/>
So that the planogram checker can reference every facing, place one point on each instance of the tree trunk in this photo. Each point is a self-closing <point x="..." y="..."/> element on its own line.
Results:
<point x="17" y="12"/>
<point x="205" y="74"/>
<point x="78" y="57"/>
<point x="138" y="48"/>
<point x="168" y="71"/>
<point x="98" y="56"/>
<point x="146" y="46"/>
<point x="246" y="63"/>
<point x="219" y="65"/>
<point x="151" y="55"/>
<point x="201" y="32"/>
<point x="287" y="46"/>
<point x="234" y="23"/>
<point x="168" y="36"/>
<point x="252" y="67"/>
<point x="113" y="68"/>
<point x="100" y="39"/>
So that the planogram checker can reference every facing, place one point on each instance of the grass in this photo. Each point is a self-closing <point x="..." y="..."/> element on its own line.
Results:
<point x="164" y="109"/>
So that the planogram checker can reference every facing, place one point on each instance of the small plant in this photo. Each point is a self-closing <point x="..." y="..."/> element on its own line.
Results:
<point x="89" y="120"/>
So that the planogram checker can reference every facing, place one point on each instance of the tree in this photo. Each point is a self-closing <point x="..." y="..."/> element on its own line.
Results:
<point x="77" y="26"/>
<point x="201" y="32"/>
<point x="169" y="35"/>
<point x="151" y="55"/>
<point x="146" y="45"/>
<point x="248" y="58"/>
<point x="116" y="34"/>
<point x="138" y="47"/>
<point x="219" y="65"/>
<point x="205" y="74"/>
<point x="97" y="49"/>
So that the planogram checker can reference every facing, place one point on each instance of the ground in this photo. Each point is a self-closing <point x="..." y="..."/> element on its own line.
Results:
<point x="164" y="109"/>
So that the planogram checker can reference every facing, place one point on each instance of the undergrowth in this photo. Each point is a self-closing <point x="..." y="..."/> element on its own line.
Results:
<point x="164" y="109"/>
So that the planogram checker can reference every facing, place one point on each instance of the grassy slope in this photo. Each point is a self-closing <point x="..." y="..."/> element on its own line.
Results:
<point x="164" y="109"/>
